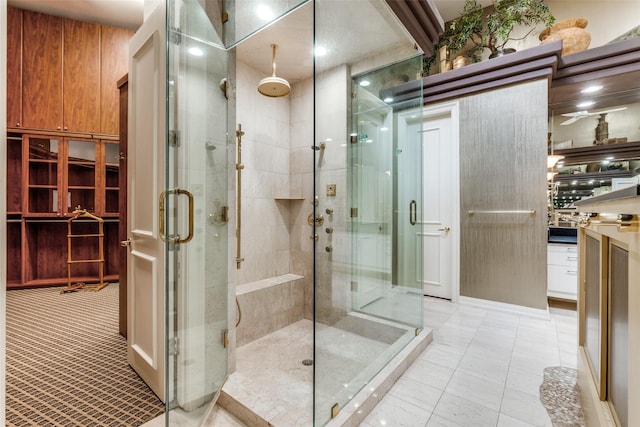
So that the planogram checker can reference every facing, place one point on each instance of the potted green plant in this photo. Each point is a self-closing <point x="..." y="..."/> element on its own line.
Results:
<point x="491" y="29"/>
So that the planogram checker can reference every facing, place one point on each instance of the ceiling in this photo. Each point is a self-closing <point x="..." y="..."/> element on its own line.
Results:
<point x="129" y="13"/>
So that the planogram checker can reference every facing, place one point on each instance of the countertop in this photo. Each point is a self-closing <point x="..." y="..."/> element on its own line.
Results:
<point x="624" y="201"/>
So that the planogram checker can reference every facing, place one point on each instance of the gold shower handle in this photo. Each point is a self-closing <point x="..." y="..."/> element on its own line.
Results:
<point x="161" y="212"/>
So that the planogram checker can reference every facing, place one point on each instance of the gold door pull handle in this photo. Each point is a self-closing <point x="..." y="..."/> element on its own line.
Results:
<point x="445" y="229"/>
<point x="126" y="243"/>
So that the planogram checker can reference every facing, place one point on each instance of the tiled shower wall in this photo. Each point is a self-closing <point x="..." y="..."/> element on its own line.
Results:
<point x="265" y="155"/>
<point x="277" y="182"/>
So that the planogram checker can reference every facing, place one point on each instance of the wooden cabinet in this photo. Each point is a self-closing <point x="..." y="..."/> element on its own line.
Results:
<point x="62" y="148"/>
<point x="81" y="77"/>
<point x="14" y="67"/>
<point x="114" y="54"/>
<point x="42" y="71"/>
<point x="62" y="73"/>
<point x="56" y="176"/>
<point x="65" y="174"/>
<point x="608" y="310"/>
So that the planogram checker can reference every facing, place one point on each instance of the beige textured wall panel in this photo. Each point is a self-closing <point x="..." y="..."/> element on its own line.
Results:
<point x="503" y="168"/>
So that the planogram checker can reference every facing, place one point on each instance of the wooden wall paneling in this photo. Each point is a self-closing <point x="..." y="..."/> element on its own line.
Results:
<point x="14" y="67"/>
<point x="81" y="76"/>
<point x="114" y="58"/>
<point x="42" y="71"/>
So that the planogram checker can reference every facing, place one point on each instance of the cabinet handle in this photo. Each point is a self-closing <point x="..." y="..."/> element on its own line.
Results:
<point x="18" y="124"/>
<point x="572" y="258"/>
<point x="66" y="128"/>
<point x="572" y="272"/>
<point x="58" y="127"/>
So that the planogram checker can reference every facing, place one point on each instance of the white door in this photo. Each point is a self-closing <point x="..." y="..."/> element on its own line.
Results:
<point x="146" y="169"/>
<point x="439" y="203"/>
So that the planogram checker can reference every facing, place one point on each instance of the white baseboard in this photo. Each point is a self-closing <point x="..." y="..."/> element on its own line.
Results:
<point x="505" y="307"/>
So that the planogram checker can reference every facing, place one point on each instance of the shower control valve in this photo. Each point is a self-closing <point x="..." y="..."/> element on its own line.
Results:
<point x="315" y="220"/>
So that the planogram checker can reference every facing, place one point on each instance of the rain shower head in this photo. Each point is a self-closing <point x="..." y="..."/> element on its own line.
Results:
<point x="273" y="86"/>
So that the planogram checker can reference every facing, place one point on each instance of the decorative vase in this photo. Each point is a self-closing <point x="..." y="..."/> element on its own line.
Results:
<point x="572" y="33"/>
<point x="502" y="52"/>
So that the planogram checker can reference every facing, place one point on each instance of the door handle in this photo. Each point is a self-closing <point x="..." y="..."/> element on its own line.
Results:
<point x="445" y="229"/>
<point x="161" y="211"/>
<point x="126" y="243"/>
<point x="412" y="212"/>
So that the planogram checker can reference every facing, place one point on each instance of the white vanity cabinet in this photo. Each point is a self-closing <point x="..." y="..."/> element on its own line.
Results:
<point x="562" y="271"/>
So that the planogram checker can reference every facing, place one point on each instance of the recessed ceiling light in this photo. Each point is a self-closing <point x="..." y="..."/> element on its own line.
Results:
<point x="365" y="83"/>
<point x="384" y="129"/>
<point x="585" y="104"/>
<point x="591" y="89"/>
<point x="320" y="51"/>
<point x="388" y="100"/>
<point x="196" y="51"/>
<point x="610" y="158"/>
<point x="264" y="12"/>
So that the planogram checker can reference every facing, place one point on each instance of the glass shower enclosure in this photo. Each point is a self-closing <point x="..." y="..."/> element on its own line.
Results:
<point x="366" y="186"/>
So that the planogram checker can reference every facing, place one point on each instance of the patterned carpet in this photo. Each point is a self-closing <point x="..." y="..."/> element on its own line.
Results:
<point x="66" y="362"/>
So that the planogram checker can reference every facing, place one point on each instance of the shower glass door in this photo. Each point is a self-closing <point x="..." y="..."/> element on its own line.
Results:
<point x="364" y="315"/>
<point x="195" y="212"/>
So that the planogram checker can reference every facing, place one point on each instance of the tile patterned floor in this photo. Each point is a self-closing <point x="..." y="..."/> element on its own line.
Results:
<point x="484" y="368"/>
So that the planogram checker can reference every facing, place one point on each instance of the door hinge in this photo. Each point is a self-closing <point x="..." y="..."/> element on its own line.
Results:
<point x="173" y="346"/>
<point x="225" y="17"/>
<point x="224" y="215"/>
<point x="354" y="212"/>
<point x="174" y="138"/>
<point x="225" y="338"/>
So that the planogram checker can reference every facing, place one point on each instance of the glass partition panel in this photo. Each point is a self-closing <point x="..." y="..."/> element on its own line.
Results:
<point x="363" y="315"/>
<point x="246" y="17"/>
<point x="196" y="195"/>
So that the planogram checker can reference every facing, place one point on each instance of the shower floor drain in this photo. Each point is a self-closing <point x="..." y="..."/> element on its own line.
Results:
<point x="307" y="362"/>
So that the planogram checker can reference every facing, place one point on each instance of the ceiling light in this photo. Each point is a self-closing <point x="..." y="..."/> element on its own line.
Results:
<point x="196" y="51"/>
<point x="320" y="51"/>
<point x="605" y="162"/>
<point x="585" y="104"/>
<point x="384" y="129"/>
<point x="609" y="158"/>
<point x="388" y="100"/>
<point x="264" y="12"/>
<point x="365" y="83"/>
<point x="591" y="89"/>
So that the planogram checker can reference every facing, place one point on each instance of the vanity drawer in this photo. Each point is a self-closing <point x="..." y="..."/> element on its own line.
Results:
<point x="562" y="282"/>
<point x="562" y="255"/>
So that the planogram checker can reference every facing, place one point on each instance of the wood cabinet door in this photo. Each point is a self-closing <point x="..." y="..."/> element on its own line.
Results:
<point x="114" y="53"/>
<point x="42" y="71"/>
<point x="14" y="67"/>
<point x="81" y="76"/>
